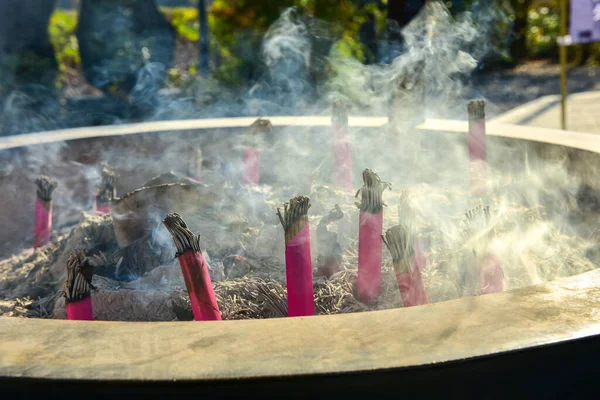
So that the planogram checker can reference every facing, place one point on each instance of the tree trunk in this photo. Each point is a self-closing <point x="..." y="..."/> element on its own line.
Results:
<point x="518" y="46"/>
<point x="119" y="39"/>
<point x="204" y="39"/>
<point x="26" y="55"/>
<point x="400" y="13"/>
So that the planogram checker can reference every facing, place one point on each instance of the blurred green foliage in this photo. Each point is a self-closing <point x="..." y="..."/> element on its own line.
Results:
<point x="237" y="27"/>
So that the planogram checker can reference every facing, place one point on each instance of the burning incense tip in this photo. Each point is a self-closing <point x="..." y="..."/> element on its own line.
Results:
<point x="106" y="189"/>
<point x="476" y="109"/>
<point x="261" y="126"/>
<point x="294" y="217"/>
<point x="183" y="237"/>
<point x="194" y="269"/>
<point x="80" y="271"/>
<point x="371" y="192"/>
<point x="298" y="263"/>
<point x="396" y="240"/>
<point x="45" y="187"/>
<point x="477" y="220"/>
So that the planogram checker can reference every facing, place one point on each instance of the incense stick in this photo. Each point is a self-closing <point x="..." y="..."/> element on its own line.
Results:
<point x="408" y="262"/>
<point x="369" y="236"/>
<point x="341" y="146"/>
<point x="106" y="190"/>
<point x="477" y="147"/>
<point x="78" y="287"/>
<point x="490" y="270"/>
<point x="254" y="139"/>
<point x="298" y="264"/>
<point x="329" y="260"/>
<point x="194" y="269"/>
<point x="43" y="211"/>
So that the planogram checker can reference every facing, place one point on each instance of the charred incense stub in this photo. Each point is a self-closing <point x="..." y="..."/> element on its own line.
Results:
<point x="106" y="189"/>
<point x="397" y="241"/>
<point x="476" y="109"/>
<point x="371" y="192"/>
<point x="339" y="114"/>
<point x="80" y="271"/>
<point x="295" y="216"/>
<point x="45" y="187"/>
<point x="184" y="238"/>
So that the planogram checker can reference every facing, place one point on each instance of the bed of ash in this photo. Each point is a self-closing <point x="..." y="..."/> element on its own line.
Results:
<point x="538" y="237"/>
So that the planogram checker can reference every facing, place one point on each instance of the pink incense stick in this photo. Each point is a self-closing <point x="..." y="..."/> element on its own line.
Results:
<point x="369" y="236"/>
<point x="341" y="147"/>
<point x="43" y="211"/>
<point x="477" y="147"/>
<point x="298" y="264"/>
<point x="194" y="270"/>
<point x="251" y="166"/>
<point x="106" y="190"/>
<point x="491" y="272"/>
<point x="491" y="275"/>
<point x="254" y="140"/>
<point x="78" y="287"/>
<point x="408" y="261"/>
<point x="329" y="260"/>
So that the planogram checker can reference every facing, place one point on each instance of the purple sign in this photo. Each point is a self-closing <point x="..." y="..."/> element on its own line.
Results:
<point x="585" y="21"/>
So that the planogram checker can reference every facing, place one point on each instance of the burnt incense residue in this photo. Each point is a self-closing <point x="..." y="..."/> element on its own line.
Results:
<point x="45" y="187"/>
<point x="106" y="190"/>
<point x="294" y="217"/>
<point x="184" y="238"/>
<point x="371" y="192"/>
<point x="476" y="109"/>
<point x="329" y="260"/>
<point x="80" y="271"/>
<point x="397" y="240"/>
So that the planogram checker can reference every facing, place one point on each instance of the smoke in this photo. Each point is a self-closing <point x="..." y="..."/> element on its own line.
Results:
<point x="530" y="196"/>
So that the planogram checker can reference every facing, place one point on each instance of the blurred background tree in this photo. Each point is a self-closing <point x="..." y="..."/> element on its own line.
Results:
<point x="528" y="31"/>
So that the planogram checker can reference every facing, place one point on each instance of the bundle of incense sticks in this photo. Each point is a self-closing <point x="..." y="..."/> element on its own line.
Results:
<point x="329" y="260"/>
<point x="408" y="262"/>
<point x="43" y="211"/>
<point x="490" y="271"/>
<point x="341" y="146"/>
<point x="254" y="140"/>
<point x="298" y="264"/>
<point x="78" y="287"/>
<point x="194" y="269"/>
<point x="477" y="147"/>
<point x="369" y="236"/>
<point x="106" y="190"/>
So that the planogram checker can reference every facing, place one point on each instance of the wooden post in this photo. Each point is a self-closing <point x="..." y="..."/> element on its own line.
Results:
<point x="203" y="22"/>
<point x="563" y="65"/>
